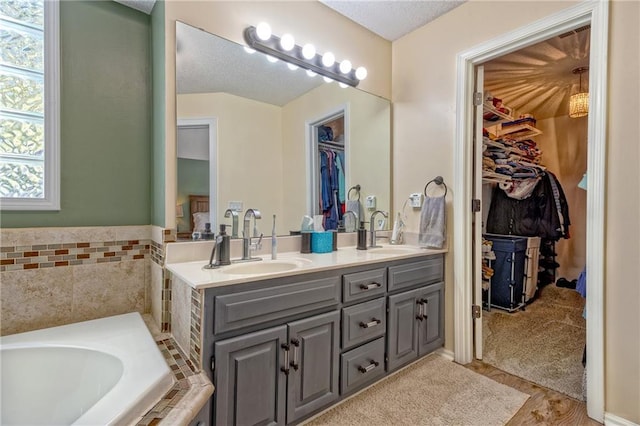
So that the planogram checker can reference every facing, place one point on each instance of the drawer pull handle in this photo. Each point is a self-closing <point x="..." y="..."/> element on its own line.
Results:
<point x="370" y="286"/>
<point x="420" y="315"/>
<point x="296" y="344"/>
<point x="369" y="367"/>
<point x="372" y="323"/>
<point x="285" y="369"/>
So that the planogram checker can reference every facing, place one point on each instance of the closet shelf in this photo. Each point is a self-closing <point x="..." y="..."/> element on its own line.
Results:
<point x="519" y="132"/>
<point x="497" y="117"/>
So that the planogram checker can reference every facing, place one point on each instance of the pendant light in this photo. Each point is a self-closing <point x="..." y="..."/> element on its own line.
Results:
<point x="579" y="102"/>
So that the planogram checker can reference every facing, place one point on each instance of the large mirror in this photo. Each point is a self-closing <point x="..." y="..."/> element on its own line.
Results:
<point x="252" y="133"/>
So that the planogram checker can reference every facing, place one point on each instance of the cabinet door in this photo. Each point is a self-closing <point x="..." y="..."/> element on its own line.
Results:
<point x="431" y="329"/>
<point x="249" y="385"/>
<point x="402" y="333"/>
<point x="313" y="377"/>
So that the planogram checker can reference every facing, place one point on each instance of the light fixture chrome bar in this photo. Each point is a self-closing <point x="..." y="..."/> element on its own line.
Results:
<point x="272" y="47"/>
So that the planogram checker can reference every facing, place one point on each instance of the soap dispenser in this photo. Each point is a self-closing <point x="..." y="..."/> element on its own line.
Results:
<point x="362" y="237"/>
<point x="224" y="247"/>
<point x="207" y="234"/>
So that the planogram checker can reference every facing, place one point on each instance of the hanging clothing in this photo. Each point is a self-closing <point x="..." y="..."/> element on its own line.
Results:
<point x="545" y="213"/>
<point x="332" y="203"/>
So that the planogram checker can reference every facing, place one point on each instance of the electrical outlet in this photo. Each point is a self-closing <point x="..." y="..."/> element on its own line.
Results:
<point x="235" y="206"/>
<point x="415" y="200"/>
<point x="370" y="202"/>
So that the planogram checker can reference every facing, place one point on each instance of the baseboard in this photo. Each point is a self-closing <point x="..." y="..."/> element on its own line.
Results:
<point x="445" y="353"/>
<point x="613" y="420"/>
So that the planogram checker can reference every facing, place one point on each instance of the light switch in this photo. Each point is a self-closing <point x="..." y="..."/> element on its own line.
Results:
<point x="415" y="200"/>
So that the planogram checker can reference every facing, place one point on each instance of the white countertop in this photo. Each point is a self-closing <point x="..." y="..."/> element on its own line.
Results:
<point x="194" y="274"/>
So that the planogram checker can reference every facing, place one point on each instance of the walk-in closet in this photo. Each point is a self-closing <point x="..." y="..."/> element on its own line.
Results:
<point x="534" y="160"/>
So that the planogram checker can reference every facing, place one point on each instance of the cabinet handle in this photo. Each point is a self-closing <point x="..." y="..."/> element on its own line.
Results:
<point x="425" y="307"/>
<point x="285" y="369"/>
<point x="372" y="323"/>
<point x="369" y="367"/>
<point x="296" y="344"/>
<point x="370" y="286"/>
<point x="420" y="316"/>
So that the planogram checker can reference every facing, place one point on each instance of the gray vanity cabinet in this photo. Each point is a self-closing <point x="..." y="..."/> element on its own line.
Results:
<point x="313" y="354"/>
<point x="293" y="366"/>
<point x="415" y="325"/>
<point x="250" y="385"/>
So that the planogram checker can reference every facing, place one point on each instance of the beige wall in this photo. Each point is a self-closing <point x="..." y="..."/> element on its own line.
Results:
<point x="367" y="156"/>
<point x="307" y="20"/>
<point x="249" y="152"/>
<point x="424" y="92"/>
<point x="564" y="153"/>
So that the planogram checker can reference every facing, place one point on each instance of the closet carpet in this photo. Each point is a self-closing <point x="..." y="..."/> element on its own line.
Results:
<point x="432" y="391"/>
<point x="543" y="344"/>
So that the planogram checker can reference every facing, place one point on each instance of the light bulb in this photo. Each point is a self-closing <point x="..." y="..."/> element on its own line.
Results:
<point x="344" y="86"/>
<point x="361" y="73"/>
<point x="249" y="50"/>
<point x="287" y="42"/>
<point x="327" y="79"/>
<point x="292" y="67"/>
<point x="263" y="31"/>
<point x="311" y="73"/>
<point x="345" y="66"/>
<point x="272" y="59"/>
<point x="328" y="59"/>
<point x="308" y="51"/>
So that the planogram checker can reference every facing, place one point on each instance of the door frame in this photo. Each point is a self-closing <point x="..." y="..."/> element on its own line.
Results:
<point x="595" y="13"/>
<point x="212" y="123"/>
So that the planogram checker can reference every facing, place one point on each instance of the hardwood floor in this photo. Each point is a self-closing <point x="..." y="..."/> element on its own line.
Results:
<point x="544" y="406"/>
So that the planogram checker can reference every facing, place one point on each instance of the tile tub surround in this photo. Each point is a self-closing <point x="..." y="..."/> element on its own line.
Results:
<point x="56" y="276"/>
<point x="191" y="391"/>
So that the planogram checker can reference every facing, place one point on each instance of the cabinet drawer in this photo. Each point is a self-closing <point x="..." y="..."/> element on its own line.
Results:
<point x="364" y="285"/>
<point x="234" y="311"/>
<point x="423" y="272"/>
<point x="363" y="322"/>
<point x="361" y="365"/>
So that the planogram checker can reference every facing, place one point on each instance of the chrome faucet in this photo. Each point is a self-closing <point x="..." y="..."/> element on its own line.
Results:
<point x="213" y="264"/>
<point x="234" y="222"/>
<point x="247" y="245"/>
<point x="372" y="226"/>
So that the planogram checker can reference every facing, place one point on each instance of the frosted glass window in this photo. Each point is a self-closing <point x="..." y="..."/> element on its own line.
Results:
<point x="29" y="105"/>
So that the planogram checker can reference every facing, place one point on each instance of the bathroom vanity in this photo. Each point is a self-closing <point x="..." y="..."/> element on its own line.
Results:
<point x="282" y="345"/>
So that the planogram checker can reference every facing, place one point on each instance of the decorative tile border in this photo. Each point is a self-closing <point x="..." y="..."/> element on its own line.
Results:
<point x="166" y="301"/>
<point x="157" y="253"/>
<point x="182" y="369"/>
<point x="38" y="256"/>
<point x="195" y="342"/>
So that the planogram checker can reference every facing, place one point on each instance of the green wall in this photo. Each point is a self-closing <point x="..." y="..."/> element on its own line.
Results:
<point x="159" y="113"/>
<point x="193" y="179"/>
<point x="105" y="119"/>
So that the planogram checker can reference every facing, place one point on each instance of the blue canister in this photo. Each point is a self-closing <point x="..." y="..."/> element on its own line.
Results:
<point x="321" y="242"/>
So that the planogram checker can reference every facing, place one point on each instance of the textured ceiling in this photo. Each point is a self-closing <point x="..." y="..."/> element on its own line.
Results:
<point x="391" y="19"/>
<point x="208" y="63"/>
<point x="145" y="6"/>
<point x="538" y="79"/>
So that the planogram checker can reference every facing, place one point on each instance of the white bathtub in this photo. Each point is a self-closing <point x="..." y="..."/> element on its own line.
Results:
<point x="100" y="372"/>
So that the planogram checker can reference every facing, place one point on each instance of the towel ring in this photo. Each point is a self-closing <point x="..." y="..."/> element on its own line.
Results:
<point x="357" y="189"/>
<point x="438" y="180"/>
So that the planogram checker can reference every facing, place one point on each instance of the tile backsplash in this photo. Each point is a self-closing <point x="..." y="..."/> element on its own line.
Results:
<point x="56" y="276"/>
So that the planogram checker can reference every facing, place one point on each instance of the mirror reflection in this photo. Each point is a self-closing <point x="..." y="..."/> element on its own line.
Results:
<point x="256" y="134"/>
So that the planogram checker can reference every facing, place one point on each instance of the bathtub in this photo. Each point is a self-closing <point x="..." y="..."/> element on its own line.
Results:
<point x="100" y="372"/>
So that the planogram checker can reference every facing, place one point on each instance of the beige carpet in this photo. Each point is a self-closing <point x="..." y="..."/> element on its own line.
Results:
<point x="432" y="391"/>
<point x="542" y="344"/>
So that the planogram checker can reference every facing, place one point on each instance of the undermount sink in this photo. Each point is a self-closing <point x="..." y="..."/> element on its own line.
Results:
<point x="262" y="267"/>
<point x="392" y="250"/>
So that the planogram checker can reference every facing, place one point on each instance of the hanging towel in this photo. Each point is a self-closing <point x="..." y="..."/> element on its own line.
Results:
<point x="350" y="225"/>
<point x="433" y="222"/>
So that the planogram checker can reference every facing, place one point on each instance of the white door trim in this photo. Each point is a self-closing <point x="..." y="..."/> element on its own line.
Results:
<point x="212" y="123"/>
<point x="595" y="13"/>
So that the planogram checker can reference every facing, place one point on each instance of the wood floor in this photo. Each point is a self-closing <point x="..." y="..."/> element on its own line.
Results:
<point x="544" y="406"/>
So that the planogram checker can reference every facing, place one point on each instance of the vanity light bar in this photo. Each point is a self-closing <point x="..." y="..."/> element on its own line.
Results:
<point x="272" y="46"/>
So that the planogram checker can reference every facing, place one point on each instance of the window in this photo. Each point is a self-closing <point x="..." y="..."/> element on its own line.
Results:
<point x="29" y="105"/>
